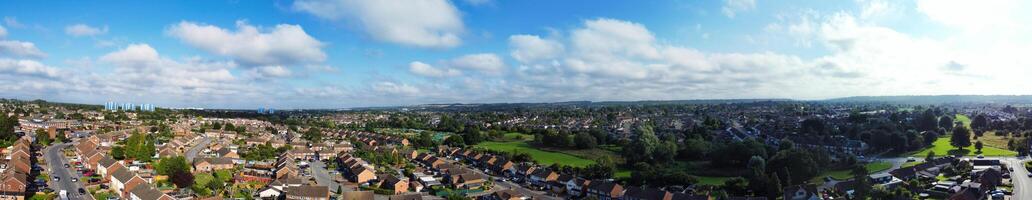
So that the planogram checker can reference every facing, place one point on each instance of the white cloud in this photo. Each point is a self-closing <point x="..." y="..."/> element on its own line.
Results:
<point x="972" y="15"/>
<point x="267" y="72"/>
<point x="20" y="49"/>
<point x="3" y="32"/>
<point x="734" y="6"/>
<point x="425" y="23"/>
<point x="27" y="68"/>
<point x="79" y="30"/>
<point x="13" y="22"/>
<point x="393" y="88"/>
<point x="423" y="69"/>
<point x="484" y="62"/>
<point x="283" y="44"/>
<point x="531" y="48"/>
<point x="140" y="67"/>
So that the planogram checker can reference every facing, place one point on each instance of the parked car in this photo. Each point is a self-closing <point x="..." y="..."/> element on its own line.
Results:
<point x="911" y="159"/>
<point x="82" y="191"/>
<point x="57" y="178"/>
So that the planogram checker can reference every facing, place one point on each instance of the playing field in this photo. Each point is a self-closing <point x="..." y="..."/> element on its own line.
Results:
<point x="541" y="156"/>
<point x="942" y="147"/>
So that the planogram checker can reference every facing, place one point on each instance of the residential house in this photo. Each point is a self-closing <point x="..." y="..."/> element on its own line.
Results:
<point x="605" y="190"/>
<point x="147" y="192"/>
<point x="307" y="192"/>
<point x="801" y="192"/>
<point x="645" y="193"/>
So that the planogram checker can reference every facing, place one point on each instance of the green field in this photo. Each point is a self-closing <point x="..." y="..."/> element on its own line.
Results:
<point x="842" y="175"/>
<point x="541" y="156"/>
<point x="942" y="146"/>
<point x="911" y="164"/>
<point x="964" y="119"/>
<point x="713" y="180"/>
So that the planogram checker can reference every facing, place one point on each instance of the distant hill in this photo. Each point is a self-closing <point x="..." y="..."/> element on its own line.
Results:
<point x="937" y="99"/>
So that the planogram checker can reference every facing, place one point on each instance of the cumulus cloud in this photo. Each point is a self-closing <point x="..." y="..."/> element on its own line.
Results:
<point x="484" y="62"/>
<point x="532" y="48"/>
<point x="972" y="15"/>
<point x="283" y="44"/>
<point x="20" y="49"/>
<point x="394" y="88"/>
<point x="265" y="72"/>
<point x="734" y="6"/>
<point x="427" y="23"/>
<point x="79" y="30"/>
<point x="140" y="67"/>
<point x="3" y="32"/>
<point x="27" y="68"/>
<point x="423" y="69"/>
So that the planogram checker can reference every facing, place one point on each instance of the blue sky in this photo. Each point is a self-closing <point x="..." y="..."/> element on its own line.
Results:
<point x="349" y="53"/>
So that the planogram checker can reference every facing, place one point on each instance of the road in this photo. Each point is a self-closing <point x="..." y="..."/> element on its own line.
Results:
<point x="1022" y="183"/>
<point x="1019" y="178"/>
<point x="523" y="190"/>
<point x="193" y="151"/>
<point x="323" y="176"/>
<point x="55" y="160"/>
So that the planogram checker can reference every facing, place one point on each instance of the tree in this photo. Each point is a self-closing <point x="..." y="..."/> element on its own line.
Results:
<point x="182" y="179"/>
<point x="313" y="134"/>
<point x="7" y="124"/>
<point x="643" y="147"/>
<point x="455" y="141"/>
<point x="978" y="146"/>
<point x="665" y="152"/>
<point x="171" y="165"/>
<point x="585" y="141"/>
<point x="863" y="186"/>
<point x="927" y="121"/>
<point x="930" y="157"/>
<point x="980" y="122"/>
<point x="945" y="122"/>
<point x="961" y="137"/>
<point x="736" y="186"/>
<point x="774" y="188"/>
<point x="471" y="135"/>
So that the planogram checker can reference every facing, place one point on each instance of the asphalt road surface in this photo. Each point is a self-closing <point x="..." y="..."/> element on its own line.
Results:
<point x="323" y="176"/>
<point x="56" y="161"/>
<point x="201" y="145"/>
<point x="1022" y="183"/>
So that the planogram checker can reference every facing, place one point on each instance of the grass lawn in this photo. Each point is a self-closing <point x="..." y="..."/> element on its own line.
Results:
<point x="942" y="146"/>
<point x="622" y="173"/>
<point x="842" y="175"/>
<point x="964" y="119"/>
<point x="713" y="180"/>
<point x="514" y="136"/>
<point x="877" y="166"/>
<point x="990" y="139"/>
<point x="910" y="164"/>
<point x="541" y="156"/>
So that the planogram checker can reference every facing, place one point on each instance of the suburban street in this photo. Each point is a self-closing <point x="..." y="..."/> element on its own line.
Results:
<point x="193" y="151"/>
<point x="323" y="176"/>
<point x="55" y="160"/>
<point x="524" y="190"/>
<point x="1019" y="178"/>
